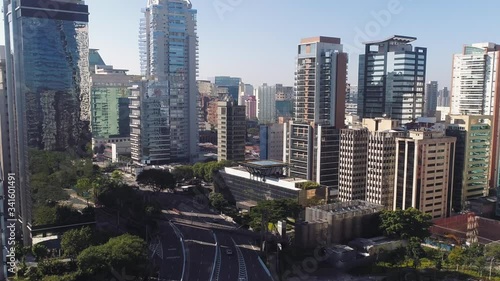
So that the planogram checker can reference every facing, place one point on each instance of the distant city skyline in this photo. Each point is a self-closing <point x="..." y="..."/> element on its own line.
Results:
<point x="234" y="43"/>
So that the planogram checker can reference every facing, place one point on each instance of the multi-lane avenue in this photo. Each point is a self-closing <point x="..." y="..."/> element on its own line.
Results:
<point x="199" y="245"/>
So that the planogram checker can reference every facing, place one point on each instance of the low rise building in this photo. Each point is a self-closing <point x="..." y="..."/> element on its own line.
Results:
<point x="338" y="223"/>
<point x="265" y="180"/>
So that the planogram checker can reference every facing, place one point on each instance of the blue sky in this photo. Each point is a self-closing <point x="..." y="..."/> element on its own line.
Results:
<point x="257" y="39"/>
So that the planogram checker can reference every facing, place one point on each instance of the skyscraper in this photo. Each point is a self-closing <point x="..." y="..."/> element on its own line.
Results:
<point x="266" y="104"/>
<point x="431" y="98"/>
<point x="231" y="130"/>
<point x="110" y="103"/>
<point x="391" y="79"/>
<point x="49" y="103"/>
<point x="352" y="164"/>
<point x="444" y="97"/>
<point x="169" y="54"/>
<point x="475" y="90"/>
<point x="312" y="137"/>
<point x="233" y="85"/>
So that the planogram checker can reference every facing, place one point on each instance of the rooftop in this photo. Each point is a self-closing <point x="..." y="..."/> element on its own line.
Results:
<point x="322" y="39"/>
<point x="400" y="39"/>
<point x="349" y="206"/>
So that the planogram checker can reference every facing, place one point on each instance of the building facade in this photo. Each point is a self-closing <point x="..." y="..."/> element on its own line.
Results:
<point x="431" y="98"/>
<point x="266" y="104"/>
<point x="168" y="46"/>
<point x="352" y="164"/>
<point x="271" y="142"/>
<point x="473" y="133"/>
<point x="251" y="108"/>
<point x="231" y="131"/>
<point x="391" y="79"/>
<point x="149" y="123"/>
<point x="110" y="103"/>
<point x="474" y="91"/>
<point x="234" y="86"/>
<point x="424" y="172"/>
<point x="312" y="137"/>
<point x="49" y="102"/>
<point x="444" y="97"/>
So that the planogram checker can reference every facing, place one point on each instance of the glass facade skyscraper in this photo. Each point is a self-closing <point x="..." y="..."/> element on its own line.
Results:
<point x="169" y="54"/>
<point x="48" y="86"/>
<point x="392" y="79"/>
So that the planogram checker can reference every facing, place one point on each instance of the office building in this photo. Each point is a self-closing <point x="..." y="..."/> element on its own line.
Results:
<point x="49" y="102"/>
<point x="431" y="98"/>
<point x="110" y="103"/>
<point x="231" y="131"/>
<point x="312" y="137"/>
<point x="392" y="79"/>
<point x="424" y="172"/>
<point x="95" y="59"/>
<point x="251" y="108"/>
<point x="168" y="46"/>
<point x="444" y="97"/>
<point x="284" y="101"/>
<point x="266" y="104"/>
<point x="234" y="86"/>
<point x="257" y="181"/>
<point x="149" y="127"/>
<point x="474" y="91"/>
<point x="271" y="142"/>
<point x="248" y="90"/>
<point x="352" y="164"/>
<point x="473" y="133"/>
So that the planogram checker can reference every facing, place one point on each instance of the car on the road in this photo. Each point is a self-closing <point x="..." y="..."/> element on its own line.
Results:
<point x="229" y="252"/>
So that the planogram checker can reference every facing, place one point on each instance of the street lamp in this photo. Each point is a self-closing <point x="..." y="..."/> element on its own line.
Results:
<point x="491" y="265"/>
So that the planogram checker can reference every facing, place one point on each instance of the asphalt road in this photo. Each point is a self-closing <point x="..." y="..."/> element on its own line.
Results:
<point x="172" y="256"/>
<point x="229" y="263"/>
<point x="200" y="252"/>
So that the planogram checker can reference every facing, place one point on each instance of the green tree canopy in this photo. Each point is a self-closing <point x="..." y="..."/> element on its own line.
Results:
<point x="218" y="201"/>
<point x="123" y="252"/>
<point x="275" y="210"/>
<point x="158" y="180"/>
<point x="405" y="224"/>
<point x="74" y="241"/>
<point x="183" y="173"/>
<point x="39" y="251"/>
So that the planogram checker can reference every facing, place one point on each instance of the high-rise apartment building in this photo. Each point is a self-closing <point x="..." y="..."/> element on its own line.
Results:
<point x="169" y="54"/>
<point x="431" y="98"/>
<point x="392" y="79"/>
<point x="109" y="97"/>
<point x="48" y="87"/>
<point x="474" y="91"/>
<point x="231" y="131"/>
<point x="149" y="125"/>
<point x="424" y="172"/>
<point x="266" y="104"/>
<point x="312" y="137"/>
<point x="380" y="167"/>
<point x="352" y="164"/>
<point x="473" y="133"/>
<point x="284" y="101"/>
<point x="367" y="161"/>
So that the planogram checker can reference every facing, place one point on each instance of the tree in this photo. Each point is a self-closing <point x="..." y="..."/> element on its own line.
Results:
<point x="158" y="180"/>
<point x="39" y="251"/>
<point x="414" y="251"/>
<point x="405" y="224"/>
<point x="74" y="241"/>
<point x="117" y="176"/>
<point x="456" y="257"/>
<point x="125" y="251"/>
<point x="183" y="173"/>
<point x="218" y="201"/>
<point x="83" y="185"/>
<point x="474" y="256"/>
<point x="275" y="210"/>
